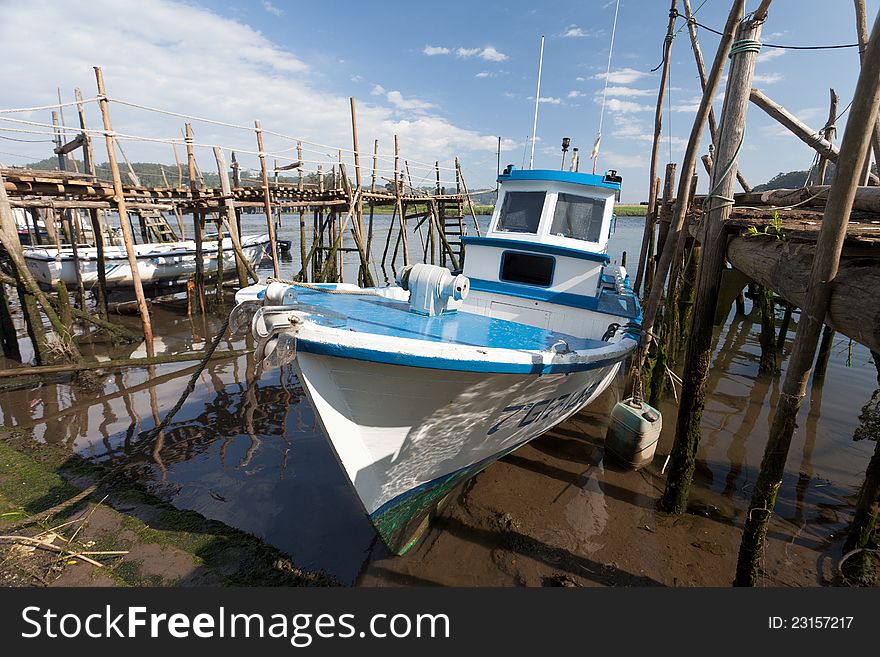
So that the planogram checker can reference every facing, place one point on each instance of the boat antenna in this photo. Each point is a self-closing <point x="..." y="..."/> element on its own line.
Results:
<point x="595" y="153"/>
<point x="537" y="102"/>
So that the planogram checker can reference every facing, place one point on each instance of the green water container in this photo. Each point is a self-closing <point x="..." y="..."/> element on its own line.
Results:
<point x="633" y="432"/>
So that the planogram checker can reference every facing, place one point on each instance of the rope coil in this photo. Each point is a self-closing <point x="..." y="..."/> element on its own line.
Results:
<point x="744" y="45"/>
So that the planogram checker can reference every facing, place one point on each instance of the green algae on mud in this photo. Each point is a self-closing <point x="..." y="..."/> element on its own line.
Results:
<point x="165" y="546"/>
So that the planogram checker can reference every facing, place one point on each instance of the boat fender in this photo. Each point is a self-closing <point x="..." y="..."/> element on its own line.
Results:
<point x="432" y="289"/>
<point x="633" y="432"/>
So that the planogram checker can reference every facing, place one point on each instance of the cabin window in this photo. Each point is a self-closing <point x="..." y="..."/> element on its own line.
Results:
<point x="578" y="217"/>
<point x="527" y="268"/>
<point x="521" y="212"/>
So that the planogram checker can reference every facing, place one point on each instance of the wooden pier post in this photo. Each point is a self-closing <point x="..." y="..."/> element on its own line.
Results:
<point x="664" y="215"/>
<point x="862" y="32"/>
<point x="701" y="71"/>
<point x="824" y="354"/>
<point x="400" y="210"/>
<point x="828" y="133"/>
<point x="699" y="351"/>
<point x="861" y="535"/>
<point x="66" y="218"/>
<point x="198" y="222"/>
<point x="267" y="200"/>
<point x="783" y="327"/>
<point x="119" y="200"/>
<point x="673" y="249"/>
<point x="94" y="213"/>
<point x="853" y="151"/>
<point x="655" y="146"/>
<point x="769" y="361"/>
<point x="302" y="215"/>
<point x="8" y="334"/>
<point x="241" y="264"/>
<point x="372" y="201"/>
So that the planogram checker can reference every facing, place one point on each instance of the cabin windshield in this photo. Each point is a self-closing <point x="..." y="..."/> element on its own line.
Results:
<point x="578" y="217"/>
<point x="521" y="212"/>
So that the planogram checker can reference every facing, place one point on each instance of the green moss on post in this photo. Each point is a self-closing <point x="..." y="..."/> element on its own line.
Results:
<point x="769" y="363"/>
<point x="64" y="313"/>
<point x="862" y="535"/>
<point x="8" y="334"/>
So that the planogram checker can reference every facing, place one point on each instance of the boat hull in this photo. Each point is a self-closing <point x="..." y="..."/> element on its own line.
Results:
<point x="166" y="263"/>
<point x="406" y="436"/>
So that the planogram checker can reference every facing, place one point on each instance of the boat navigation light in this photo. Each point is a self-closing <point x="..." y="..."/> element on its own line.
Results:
<point x="566" y="142"/>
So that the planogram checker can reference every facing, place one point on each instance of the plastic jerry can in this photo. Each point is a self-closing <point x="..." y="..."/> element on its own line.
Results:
<point x="633" y="432"/>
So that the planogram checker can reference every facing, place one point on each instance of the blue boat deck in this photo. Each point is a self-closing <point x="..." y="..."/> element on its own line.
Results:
<point x="390" y="318"/>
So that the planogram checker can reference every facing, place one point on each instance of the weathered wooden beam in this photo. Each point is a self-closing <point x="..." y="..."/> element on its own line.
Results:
<point x="784" y="267"/>
<point x="798" y="128"/>
<point x="72" y="145"/>
<point x="866" y="198"/>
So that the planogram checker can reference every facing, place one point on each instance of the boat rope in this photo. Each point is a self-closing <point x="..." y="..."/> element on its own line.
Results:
<point x="264" y="130"/>
<point x="668" y="39"/>
<point x="744" y="45"/>
<point x="595" y="153"/>
<point x="45" y="107"/>
<point x="325" y="290"/>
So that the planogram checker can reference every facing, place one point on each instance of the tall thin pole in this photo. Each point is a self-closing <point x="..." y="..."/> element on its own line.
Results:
<point x="537" y="102"/>
<point x="267" y="200"/>
<point x="497" y="166"/>
<point x="123" y="216"/>
<point x="853" y="152"/>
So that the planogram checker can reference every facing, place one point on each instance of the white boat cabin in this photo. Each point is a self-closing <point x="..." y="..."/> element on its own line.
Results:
<point x="543" y="261"/>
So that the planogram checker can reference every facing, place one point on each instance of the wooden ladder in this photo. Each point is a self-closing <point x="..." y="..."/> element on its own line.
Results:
<point x="154" y="222"/>
<point x="453" y="226"/>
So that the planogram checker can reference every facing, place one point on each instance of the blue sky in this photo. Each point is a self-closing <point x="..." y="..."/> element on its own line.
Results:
<point x="449" y="78"/>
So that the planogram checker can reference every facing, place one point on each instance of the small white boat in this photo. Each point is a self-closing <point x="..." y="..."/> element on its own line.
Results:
<point x="164" y="262"/>
<point x="422" y="385"/>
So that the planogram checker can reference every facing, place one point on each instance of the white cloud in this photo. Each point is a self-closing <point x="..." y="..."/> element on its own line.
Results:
<point x="769" y="78"/>
<point x="629" y="92"/>
<point x="396" y="98"/>
<point x="484" y="74"/>
<point x="690" y="105"/>
<point x="767" y="55"/>
<point x="621" y="161"/>
<point x="622" y="76"/>
<point x="575" y="94"/>
<point x="573" y="31"/>
<point x="356" y="78"/>
<point x="579" y="79"/>
<point x="272" y="9"/>
<point x="625" y="106"/>
<point x="377" y="90"/>
<point x="436" y="50"/>
<point x="550" y="100"/>
<point x="489" y="54"/>
<point x="153" y="57"/>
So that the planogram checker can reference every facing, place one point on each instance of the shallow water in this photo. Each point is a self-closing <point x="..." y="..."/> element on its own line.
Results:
<point x="250" y="453"/>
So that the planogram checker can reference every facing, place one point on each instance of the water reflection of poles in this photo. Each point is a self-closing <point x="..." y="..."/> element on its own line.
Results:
<point x="160" y="438"/>
<point x="805" y="472"/>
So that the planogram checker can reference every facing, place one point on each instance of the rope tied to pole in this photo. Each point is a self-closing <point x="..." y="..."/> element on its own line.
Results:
<point x="744" y="45"/>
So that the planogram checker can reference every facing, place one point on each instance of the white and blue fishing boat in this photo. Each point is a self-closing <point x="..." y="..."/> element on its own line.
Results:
<point x="422" y="385"/>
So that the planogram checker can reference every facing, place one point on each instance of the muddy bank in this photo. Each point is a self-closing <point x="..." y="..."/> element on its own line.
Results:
<point x="557" y="512"/>
<point x="127" y="536"/>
